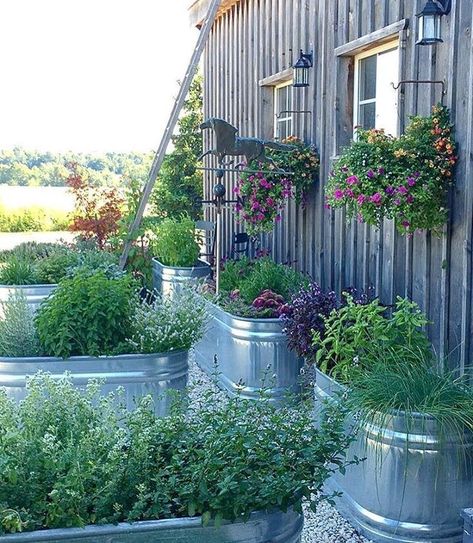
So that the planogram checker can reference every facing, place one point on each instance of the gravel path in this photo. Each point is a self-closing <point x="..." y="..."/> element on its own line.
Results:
<point x="325" y="526"/>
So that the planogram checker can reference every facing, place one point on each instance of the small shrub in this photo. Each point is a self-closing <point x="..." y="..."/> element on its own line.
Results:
<point x="169" y="324"/>
<point x="30" y="250"/>
<point x="67" y="460"/>
<point x="88" y="315"/>
<point x="53" y="268"/>
<point x="176" y="243"/>
<point x="18" y="335"/>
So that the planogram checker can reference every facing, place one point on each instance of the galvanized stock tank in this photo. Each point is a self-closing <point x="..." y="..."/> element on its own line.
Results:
<point x="414" y="482"/>
<point x="138" y="374"/>
<point x="251" y="353"/>
<point x="34" y="294"/>
<point x="169" y="280"/>
<point x="276" y="527"/>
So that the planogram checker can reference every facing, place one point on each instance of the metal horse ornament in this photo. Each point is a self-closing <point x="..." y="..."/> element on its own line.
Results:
<point x="227" y="143"/>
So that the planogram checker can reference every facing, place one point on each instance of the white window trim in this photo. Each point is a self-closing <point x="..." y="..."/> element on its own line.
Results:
<point x="389" y="46"/>
<point x="279" y="120"/>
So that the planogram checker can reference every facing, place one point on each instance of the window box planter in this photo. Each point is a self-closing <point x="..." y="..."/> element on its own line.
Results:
<point x="138" y="374"/>
<point x="261" y="528"/>
<point x="34" y="294"/>
<point x="168" y="280"/>
<point x="245" y="348"/>
<point x="412" y="485"/>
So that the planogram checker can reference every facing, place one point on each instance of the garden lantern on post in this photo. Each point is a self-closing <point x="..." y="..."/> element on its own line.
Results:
<point x="429" y="29"/>
<point x="301" y="69"/>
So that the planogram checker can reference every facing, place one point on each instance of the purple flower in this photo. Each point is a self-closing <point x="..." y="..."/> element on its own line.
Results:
<point x="359" y="218"/>
<point x="361" y="199"/>
<point x="352" y="180"/>
<point x="409" y="198"/>
<point x="402" y="189"/>
<point x="338" y="194"/>
<point x="349" y="193"/>
<point x="381" y="171"/>
<point x="278" y="218"/>
<point x="376" y="199"/>
<point x="389" y="190"/>
<point x="397" y="202"/>
<point x="370" y="174"/>
<point x="406" y="224"/>
<point x="411" y="181"/>
<point x="416" y="174"/>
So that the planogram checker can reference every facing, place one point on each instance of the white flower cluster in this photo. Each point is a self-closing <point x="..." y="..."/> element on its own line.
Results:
<point x="169" y="324"/>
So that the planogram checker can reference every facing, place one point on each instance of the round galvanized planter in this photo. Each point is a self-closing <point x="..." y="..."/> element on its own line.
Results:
<point x="274" y="527"/>
<point x="414" y="482"/>
<point x="139" y="375"/>
<point x="251" y="353"/>
<point x="168" y="280"/>
<point x="34" y="294"/>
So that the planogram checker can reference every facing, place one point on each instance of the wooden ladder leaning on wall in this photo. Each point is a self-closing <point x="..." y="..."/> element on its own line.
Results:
<point x="171" y="125"/>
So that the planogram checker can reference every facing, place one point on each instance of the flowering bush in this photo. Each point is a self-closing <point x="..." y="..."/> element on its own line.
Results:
<point x="264" y="195"/>
<point x="404" y="179"/>
<point x="169" y="324"/>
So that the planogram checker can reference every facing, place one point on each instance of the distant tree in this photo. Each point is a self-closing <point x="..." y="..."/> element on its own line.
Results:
<point x="180" y="183"/>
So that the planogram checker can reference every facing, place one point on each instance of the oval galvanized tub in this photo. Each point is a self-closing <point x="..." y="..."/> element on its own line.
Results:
<point x="414" y="482"/>
<point x="138" y="374"/>
<point x="274" y="527"/>
<point x="34" y="294"/>
<point x="250" y="353"/>
<point x="169" y="280"/>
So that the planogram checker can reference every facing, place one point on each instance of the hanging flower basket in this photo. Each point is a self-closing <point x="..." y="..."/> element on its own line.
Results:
<point x="405" y="179"/>
<point x="263" y="195"/>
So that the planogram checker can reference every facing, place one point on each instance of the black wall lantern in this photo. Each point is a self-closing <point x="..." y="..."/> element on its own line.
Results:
<point x="429" y="21"/>
<point x="301" y="69"/>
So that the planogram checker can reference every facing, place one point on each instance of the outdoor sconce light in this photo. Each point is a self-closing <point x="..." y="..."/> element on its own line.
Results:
<point x="301" y="69"/>
<point x="429" y="21"/>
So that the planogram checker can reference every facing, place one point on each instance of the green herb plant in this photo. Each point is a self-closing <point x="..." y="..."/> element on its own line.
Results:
<point x="69" y="460"/>
<point x="176" y="242"/>
<point x="18" y="271"/>
<point x="18" y="336"/>
<point x="89" y="314"/>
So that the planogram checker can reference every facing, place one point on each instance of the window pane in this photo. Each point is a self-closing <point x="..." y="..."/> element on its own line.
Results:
<point x="367" y="115"/>
<point x="367" y="71"/>
<point x="386" y="96"/>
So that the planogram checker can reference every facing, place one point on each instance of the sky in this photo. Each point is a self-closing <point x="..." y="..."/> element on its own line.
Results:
<point x="90" y="75"/>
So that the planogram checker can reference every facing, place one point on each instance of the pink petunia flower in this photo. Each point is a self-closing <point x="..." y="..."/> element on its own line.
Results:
<point x="376" y="199"/>
<point x="352" y="180"/>
<point x="402" y="189"/>
<point x="338" y="194"/>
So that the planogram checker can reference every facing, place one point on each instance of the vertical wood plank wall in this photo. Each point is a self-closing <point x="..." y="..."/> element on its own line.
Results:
<point x="252" y="41"/>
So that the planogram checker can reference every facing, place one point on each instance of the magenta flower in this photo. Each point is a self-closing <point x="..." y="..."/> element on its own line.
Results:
<point x="338" y="194"/>
<point x="270" y="202"/>
<point x="406" y="224"/>
<point x="389" y="190"/>
<point x="349" y="193"/>
<point x="376" y="199"/>
<point x="359" y="218"/>
<point x="409" y="198"/>
<point x="416" y="174"/>
<point x="402" y="189"/>
<point x="397" y="202"/>
<point x="381" y="171"/>
<point x="361" y="199"/>
<point x="370" y="174"/>
<point x="411" y="181"/>
<point x="278" y="218"/>
<point x="352" y="180"/>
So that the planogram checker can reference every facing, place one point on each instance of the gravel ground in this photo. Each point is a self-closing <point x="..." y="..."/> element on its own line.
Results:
<point x="325" y="526"/>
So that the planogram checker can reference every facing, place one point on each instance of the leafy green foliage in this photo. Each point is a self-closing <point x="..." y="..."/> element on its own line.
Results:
<point x="352" y="330"/>
<point x="52" y="269"/>
<point x="18" y="335"/>
<point x="169" y="324"/>
<point x="32" y="219"/>
<point x="30" y="250"/>
<point x="18" y="271"/>
<point x="67" y="460"/>
<point x="179" y="185"/>
<point x="176" y="243"/>
<point x="405" y="179"/>
<point x="89" y="314"/>
<point x="243" y="282"/>
<point x="24" y="167"/>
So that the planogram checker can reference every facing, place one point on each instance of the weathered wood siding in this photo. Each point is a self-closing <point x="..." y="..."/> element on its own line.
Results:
<point x="252" y="41"/>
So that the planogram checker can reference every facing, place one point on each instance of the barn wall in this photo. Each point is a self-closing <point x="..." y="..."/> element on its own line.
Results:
<point x="252" y="41"/>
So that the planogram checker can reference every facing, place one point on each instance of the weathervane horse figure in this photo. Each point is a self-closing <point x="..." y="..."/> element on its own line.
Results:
<point x="227" y="143"/>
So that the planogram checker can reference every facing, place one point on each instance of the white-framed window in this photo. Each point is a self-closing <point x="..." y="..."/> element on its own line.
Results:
<point x="283" y="110"/>
<point x="376" y="101"/>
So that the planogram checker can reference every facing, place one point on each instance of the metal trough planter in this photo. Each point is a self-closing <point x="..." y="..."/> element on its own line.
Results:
<point x="138" y="374"/>
<point x="467" y="515"/>
<point x="274" y="527"/>
<point x="34" y="294"/>
<point x="414" y="482"/>
<point x="169" y="280"/>
<point x="244" y="349"/>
